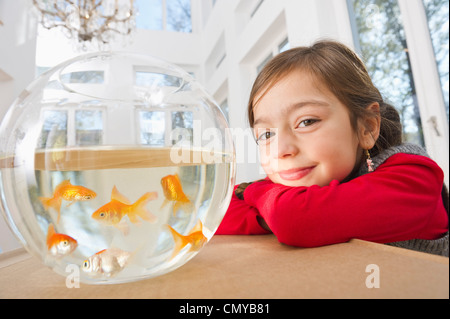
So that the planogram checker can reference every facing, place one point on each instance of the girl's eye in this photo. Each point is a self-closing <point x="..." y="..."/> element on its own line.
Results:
<point x="307" y="122"/>
<point x="264" y="137"/>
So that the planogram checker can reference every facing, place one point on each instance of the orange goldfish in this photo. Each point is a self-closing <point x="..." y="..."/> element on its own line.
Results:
<point x="59" y="244"/>
<point x="173" y="191"/>
<point x="71" y="193"/>
<point x="119" y="206"/>
<point x="106" y="262"/>
<point x="195" y="238"/>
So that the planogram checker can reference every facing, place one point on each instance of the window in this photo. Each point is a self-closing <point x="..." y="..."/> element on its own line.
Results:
<point x="182" y="128"/>
<point x="225" y="110"/>
<point x="152" y="128"/>
<point x="88" y="127"/>
<point x="283" y="46"/>
<point x="54" y="129"/>
<point x="149" y="79"/>
<point x="84" y="77"/>
<point x="166" y="127"/>
<point x="69" y="127"/>
<point x="437" y="12"/>
<point x="256" y="8"/>
<point x="170" y="15"/>
<point x="382" y="42"/>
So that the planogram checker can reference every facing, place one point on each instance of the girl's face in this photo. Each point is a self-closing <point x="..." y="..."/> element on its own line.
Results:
<point x="304" y="133"/>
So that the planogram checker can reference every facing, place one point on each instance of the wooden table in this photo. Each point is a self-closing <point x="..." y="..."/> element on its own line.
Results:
<point x="256" y="267"/>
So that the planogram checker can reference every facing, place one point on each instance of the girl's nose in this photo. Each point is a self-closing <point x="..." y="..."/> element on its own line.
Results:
<point x="287" y="145"/>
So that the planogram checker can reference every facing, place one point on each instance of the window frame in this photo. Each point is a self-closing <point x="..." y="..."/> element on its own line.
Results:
<point x="71" y="130"/>
<point x="426" y="78"/>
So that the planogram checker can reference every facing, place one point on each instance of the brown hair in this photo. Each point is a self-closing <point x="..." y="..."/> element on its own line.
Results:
<point x="345" y="75"/>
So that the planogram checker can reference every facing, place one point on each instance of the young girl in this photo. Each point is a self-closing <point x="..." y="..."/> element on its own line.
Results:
<point x="335" y="163"/>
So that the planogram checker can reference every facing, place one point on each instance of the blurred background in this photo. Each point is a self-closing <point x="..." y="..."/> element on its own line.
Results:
<point x="224" y="44"/>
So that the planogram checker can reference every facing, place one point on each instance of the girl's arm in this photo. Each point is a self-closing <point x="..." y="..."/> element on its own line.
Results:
<point x="240" y="219"/>
<point x="401" y="200"/>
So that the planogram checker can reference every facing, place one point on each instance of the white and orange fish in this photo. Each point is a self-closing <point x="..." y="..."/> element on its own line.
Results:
<point x="195" y="238"/>
<point x="107" y="262"/>
<point x="71" y="193"/>
<point x="173" y="192"/>
<point x="119" y="207"/>
<point x="59" y="245"/>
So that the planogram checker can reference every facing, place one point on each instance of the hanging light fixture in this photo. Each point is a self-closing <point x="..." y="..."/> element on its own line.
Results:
<point x="88" y="20"/>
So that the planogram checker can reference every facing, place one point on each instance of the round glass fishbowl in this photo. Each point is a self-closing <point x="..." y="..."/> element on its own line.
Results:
<point x="115" y="167"/>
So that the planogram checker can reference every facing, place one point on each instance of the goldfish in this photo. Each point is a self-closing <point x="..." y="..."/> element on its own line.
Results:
<point x="71" y="193"/>
<point x="195" y="238"/>
<point x="119" y="206"/>
<point x="59" y="244"/>
<point x="173" y="191"/>
<point x="107" y="262"/>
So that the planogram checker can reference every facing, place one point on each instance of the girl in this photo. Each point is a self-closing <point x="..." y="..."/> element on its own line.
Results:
<point x="335" y="163"/>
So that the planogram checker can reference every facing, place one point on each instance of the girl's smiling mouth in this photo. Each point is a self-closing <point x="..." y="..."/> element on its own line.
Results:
<point x="295" y="174"/>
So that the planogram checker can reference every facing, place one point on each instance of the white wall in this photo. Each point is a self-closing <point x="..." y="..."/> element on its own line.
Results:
<point x="17" y="67"/>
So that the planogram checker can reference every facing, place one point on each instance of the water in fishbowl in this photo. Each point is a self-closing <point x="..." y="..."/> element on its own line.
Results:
<point x="121" y="213"/>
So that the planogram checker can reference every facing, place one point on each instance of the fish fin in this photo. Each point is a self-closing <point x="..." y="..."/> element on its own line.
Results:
<point x="70" y="204"/>
<point x="65" y="182"/>
<point x="140" y="210"/>
<point x="50" y="233"/>
<point x="176" y="207"/>
<point x="180" y="241"/>
<point x="197" y="228"/>
<point x="52" y="202"/>
<point x="115" y="194"/>
<point x="166" y="201"/>
<point x="123" y="227"/>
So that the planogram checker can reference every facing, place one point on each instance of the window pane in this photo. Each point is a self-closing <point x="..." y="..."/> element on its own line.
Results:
<point x="91" y="77"/>
<point x="437" y="14"/>
<point x="263" y="63"/>
<point x="54" y="130"/>
<point x="89" y="127"/>
<point x="152" y="79"/>
<point x="149" y="14"/>
<point x="153" y="128"/>
<point x="179" y="15"/>
<point x="182" y="127"/>
<point x="225" y="110"/>
<point x="284" y="46"/>
<point x="384" y="49"/>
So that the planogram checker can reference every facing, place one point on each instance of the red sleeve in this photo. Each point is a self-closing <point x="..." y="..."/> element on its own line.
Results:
<point x="240" y="219"/>
<point x="401" y="200"/>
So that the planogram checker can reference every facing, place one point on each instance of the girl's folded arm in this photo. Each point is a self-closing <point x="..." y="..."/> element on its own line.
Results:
<point x="399" y="201"/>
<point x="240" y="219"/>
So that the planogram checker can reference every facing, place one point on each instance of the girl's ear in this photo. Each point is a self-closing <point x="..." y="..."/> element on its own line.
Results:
<point x="369" y="127"/>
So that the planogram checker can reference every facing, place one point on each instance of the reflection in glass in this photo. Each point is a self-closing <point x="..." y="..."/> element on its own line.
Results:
<point x="182" y="128"/>
<point x="89" y="127"/>
<point x="152" y="125"/>
<point x="54" y="129"/>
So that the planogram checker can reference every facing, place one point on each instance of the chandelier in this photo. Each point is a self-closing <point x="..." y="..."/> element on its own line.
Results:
<point x="88" y="20"/>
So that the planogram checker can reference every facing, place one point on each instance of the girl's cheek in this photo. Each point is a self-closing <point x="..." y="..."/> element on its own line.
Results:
<point x="268" y="163"/>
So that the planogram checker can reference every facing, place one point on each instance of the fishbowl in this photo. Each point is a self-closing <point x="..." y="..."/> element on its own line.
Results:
<point x="117" y="165"/>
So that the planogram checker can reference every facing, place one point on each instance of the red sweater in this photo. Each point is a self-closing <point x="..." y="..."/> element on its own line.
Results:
<point x="400" y="200"/>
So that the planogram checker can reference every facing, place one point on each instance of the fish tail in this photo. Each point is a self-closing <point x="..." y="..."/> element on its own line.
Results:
<point x="50" y="233"/>
<point x="141" y="210"/>
<point x="180" y="241"/>
<point x="52" y="202"/>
